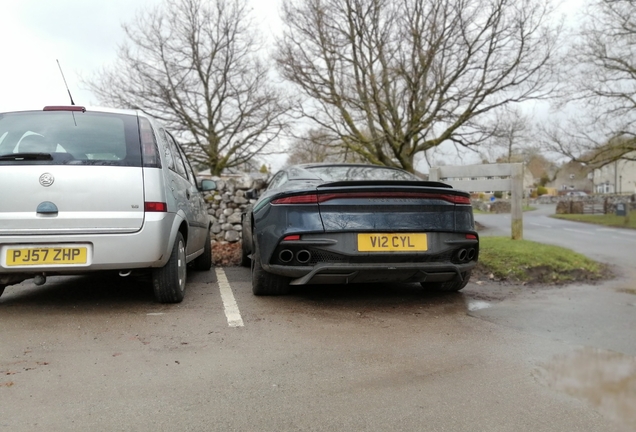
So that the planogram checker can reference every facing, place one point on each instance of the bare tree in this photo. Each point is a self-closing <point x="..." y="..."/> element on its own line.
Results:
<point x="197" y="65"/>
<point x="512" y="133"/>
<point x="602" y="95"/>
<point x="395" y="78"/>
<point x="318" y="145"/>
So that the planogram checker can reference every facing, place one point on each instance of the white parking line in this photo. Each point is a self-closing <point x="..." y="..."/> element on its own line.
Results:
<point x="229" y="303"/>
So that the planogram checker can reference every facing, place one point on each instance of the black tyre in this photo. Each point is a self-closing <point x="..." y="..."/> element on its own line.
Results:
<point x="204" y="261"/>
<point x="2" y="287"/>
<point x="450" y="286"/>
<point x="245" y="255"/>
<point x="264" y="283"/>
<point x="169" y="281"/>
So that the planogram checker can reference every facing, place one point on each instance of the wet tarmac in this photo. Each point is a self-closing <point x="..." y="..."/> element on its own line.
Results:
<point x="606" y="380"/>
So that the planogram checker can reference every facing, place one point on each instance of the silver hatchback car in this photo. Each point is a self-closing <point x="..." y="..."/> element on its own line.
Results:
<point x="85" y="190"/>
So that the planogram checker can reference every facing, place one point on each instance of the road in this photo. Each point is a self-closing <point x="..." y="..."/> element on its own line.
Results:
<point x="601" y="316"/>
<point x="94" y="353"/>
<point x="605" y="244"/>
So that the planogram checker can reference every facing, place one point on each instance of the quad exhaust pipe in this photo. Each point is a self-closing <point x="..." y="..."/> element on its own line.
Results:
<point x="471" y="254"/>
<point x="286" y="256"/>
<point x="465" y="255"/>
<point x="303" y="256"/>
<point x="462" y="254"/>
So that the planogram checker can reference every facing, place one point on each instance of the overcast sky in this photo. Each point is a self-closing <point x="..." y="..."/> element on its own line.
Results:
<point x="82" y="34"/>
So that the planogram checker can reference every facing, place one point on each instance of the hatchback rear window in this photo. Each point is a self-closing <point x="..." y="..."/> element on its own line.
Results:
<point x="65" y="137"/>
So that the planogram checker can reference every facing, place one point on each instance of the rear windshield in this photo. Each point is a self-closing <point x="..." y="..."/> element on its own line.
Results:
<point x="65" y="137"/>
<point x="354" y="172"/>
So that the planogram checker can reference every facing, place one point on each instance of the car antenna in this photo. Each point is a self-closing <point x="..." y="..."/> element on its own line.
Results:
<point x="67" y="89"/>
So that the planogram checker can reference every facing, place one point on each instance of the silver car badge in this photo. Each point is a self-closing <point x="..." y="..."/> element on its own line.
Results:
<point x="47" y="179"/>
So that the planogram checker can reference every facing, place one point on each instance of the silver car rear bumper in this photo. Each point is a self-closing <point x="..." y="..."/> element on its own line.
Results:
<point x="148" y="247"/>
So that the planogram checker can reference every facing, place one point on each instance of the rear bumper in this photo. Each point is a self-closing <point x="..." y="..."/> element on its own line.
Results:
<point x="148" y="247"/>
<point x="336" y="273"/>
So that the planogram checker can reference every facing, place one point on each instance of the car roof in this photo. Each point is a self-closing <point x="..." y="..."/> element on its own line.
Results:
<point x="88" y="109"/>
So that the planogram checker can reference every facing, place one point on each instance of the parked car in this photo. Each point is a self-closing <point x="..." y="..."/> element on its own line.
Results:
<point x="576" y="194"/>
<point x="352" y="223"/>
<point x="86" y="190"/>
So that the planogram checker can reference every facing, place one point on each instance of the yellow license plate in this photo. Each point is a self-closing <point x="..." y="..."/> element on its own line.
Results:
<point x="381" y="242"/>
<point x="46" y="256"/>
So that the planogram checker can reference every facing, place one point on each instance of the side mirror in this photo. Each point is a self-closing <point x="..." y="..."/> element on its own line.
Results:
<point x="208" y="185"/>
<point x="251" y="194"/>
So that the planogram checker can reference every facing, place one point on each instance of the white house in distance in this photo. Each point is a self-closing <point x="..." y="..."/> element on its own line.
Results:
<point x="617" y="177"/>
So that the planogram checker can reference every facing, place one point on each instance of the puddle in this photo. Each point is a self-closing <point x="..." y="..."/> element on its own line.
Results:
<point x="475" y="305"/>
<point x="604" y="379"/>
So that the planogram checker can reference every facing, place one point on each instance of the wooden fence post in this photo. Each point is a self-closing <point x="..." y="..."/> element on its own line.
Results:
<point x="516" y="204"/>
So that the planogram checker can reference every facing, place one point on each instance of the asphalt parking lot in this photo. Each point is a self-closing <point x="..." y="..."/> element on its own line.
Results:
<point x="95" y="353"/>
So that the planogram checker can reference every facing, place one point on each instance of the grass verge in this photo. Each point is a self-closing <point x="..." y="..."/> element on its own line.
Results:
<point x="530" y="262"/>
<point x="605" y="219"/>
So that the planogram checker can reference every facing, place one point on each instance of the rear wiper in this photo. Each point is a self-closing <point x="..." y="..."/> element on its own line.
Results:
<point x="26" y="156"/>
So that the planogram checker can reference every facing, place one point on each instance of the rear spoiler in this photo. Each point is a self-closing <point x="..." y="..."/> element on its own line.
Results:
<point x="385" y="183"/>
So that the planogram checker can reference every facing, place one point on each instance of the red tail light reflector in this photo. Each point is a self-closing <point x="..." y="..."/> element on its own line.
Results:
<point x="315" y="199"/>
<point x="155" y="207"/>
<point x="471" y="236"/>
<point x="291" y="237"/>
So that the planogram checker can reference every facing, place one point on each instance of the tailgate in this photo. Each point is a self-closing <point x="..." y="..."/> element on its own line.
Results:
<point x="88" y="199"/>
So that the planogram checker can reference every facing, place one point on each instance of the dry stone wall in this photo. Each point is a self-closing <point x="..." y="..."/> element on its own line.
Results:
<point x="227" y="203"/>
<point x="564" y="204"/>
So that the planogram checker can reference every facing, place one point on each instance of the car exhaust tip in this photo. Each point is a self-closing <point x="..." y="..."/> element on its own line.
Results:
<point x="462" y="254"/>
<point x="125" y="273"/>
<point x="285" y="255"/>
<point x="303" y="256"/>
<point x="471" y="254"/>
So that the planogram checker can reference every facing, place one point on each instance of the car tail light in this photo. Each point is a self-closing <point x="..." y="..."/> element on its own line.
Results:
<point x="64" y="108"/>
<point x="320" y="198"/>
<point x="297" y="199"/>
<point x="471" y="236"/>
<point x="149" y="149"/>
<point x="155" y="207"/>
<point x="291" y="237"/>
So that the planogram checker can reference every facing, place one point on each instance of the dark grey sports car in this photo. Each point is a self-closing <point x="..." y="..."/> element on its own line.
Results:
<point x="350" y="223"/>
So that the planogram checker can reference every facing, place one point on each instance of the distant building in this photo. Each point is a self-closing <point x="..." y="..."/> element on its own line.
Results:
<point x="573" y="176"/>
<point x="616" y="177"/>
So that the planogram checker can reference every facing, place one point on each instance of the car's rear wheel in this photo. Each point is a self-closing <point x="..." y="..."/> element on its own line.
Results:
<point x="204" y="261"/>
<point x="450" y="286"/>
<point x="264" y="283"/>
<point x="169" y="281"/>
